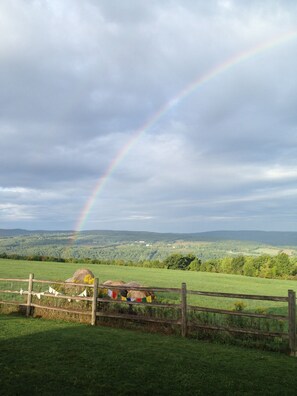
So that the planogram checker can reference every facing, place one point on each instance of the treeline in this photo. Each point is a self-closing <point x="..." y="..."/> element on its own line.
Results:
<point x="265" y="266"/>
<point x="83" y="260"/>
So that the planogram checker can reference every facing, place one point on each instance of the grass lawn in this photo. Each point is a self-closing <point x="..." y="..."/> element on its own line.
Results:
<point x="40" y="357"/>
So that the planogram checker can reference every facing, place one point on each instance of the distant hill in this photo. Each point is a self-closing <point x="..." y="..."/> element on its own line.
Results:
<point x="14" y="232"/>
<point x="278" y="238"/>
<point x="141" y="245"/>
<point x="275" y="238"/>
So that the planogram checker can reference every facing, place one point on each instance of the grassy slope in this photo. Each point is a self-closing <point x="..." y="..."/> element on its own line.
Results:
<point x="149" y="276"/>
<point x="50" y="357"/>
<point x="159" y="277"/>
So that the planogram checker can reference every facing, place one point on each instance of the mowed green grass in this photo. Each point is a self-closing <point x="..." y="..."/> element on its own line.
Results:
<point x="40" y="357"/>
<point x="162" y="278"/>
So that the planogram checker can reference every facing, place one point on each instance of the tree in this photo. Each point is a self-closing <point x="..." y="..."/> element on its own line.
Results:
<point x="226" y="265"/>
<point x="249" y="267"/>
<point x="283" y="265"/>
<point x="268" y="269"/>
<point x="195" y="265"/>
<point x="211" y="265"/>
<point x="178" y="261"/>
<point x="237" y="265"/>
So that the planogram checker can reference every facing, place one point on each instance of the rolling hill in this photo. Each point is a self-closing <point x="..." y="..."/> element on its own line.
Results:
<point x="140" y="245"/>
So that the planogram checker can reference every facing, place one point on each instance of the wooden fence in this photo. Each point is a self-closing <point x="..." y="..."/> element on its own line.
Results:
<point x="183" y="307"/>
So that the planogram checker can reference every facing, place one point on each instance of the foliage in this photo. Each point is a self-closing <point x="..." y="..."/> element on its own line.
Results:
<point x="239" y="306"/>
<point x="279" y="266"/>
<point x="195" y="265"/>
<point x="211" y="252"/>
<point x="178" y="261"/>
<point x="88" y="280"/>
<point x="140" y="248"/>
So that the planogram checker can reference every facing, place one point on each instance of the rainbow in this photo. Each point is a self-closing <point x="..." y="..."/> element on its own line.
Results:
<point x="185" y="92"/>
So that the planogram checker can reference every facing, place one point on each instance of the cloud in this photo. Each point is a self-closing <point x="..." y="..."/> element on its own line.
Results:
<point x="78" y="79"/>
<point x="12" y="213"/>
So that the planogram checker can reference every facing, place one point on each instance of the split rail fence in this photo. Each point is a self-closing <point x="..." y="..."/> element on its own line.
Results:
<point x="183" y="307"/>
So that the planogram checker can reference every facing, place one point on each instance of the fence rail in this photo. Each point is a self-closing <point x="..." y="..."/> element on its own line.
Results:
<point x="243" y="296"/>
<point x="238" y="313"/>
<point x="182" y="307"/>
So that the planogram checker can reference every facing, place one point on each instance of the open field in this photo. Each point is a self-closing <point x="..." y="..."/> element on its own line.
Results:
<point x="163" y="278"/>
<point x="50" y="357"/>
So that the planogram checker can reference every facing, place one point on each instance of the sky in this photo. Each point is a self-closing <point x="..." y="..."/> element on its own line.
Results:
<point x="166" y="116"/>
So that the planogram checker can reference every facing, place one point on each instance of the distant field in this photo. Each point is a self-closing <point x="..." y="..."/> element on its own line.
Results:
<point x="139" y="246"/>
<point x="160" y="277"/>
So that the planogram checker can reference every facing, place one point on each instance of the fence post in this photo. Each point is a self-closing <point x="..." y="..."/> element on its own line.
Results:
<point x="292" y="321"/>
<point x="184" y="310"/>
<point x="94" y="302"/>
<point x="29" y="296"/>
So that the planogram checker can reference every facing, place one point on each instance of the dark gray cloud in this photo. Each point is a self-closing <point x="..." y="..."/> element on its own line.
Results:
<point x="78" y="79"/>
